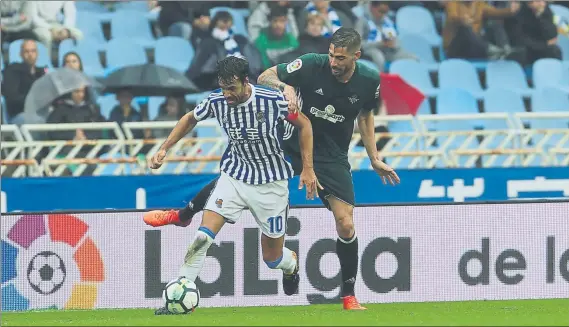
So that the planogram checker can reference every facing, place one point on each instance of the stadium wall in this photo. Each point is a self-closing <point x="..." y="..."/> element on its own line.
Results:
<point x="164" y="191"/>
<point x="457" y="252"/>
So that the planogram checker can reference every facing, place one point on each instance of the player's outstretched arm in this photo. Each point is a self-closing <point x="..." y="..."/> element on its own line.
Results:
<point x="185" y="125"/>
<point x="270" y="78"/>
<point x="366" y="126"/>
<point x="306" y="140"/>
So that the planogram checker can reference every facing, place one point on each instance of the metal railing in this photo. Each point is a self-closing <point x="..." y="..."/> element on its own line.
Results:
<point x="429" y="141"/>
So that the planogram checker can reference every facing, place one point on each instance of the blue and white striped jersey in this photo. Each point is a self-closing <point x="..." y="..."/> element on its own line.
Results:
<point x="255" y="130"/>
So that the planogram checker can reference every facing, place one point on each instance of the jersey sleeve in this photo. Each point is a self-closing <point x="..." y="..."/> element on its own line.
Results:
<point x="298" y="70"/>
<point x="282" y="106"/>
<point x="374" y="100"/>
<point x="203" y="110"/>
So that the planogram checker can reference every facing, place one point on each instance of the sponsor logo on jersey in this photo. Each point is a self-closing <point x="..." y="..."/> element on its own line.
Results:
<point x="260" y="117"/>
<point x="294" y="66"/>
<point x="328" y="114"/>
<point x="319" y="91"/>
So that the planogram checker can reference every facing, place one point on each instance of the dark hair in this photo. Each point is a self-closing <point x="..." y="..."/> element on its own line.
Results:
<point x="232" y="67"/>
<point x="73" y="53"/>
<point x="347" y="38"/>
<point x="223" y="16"/>
<point x="278" y="12"/>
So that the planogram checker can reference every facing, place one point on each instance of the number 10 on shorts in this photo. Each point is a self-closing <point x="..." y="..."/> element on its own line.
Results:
<point x="275" y="224"/>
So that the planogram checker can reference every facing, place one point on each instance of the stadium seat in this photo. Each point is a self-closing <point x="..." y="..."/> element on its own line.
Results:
<point x="501" y="99"/>
<point x="549" y="99"/>
<point x="123" y="52"/>
<point x="416" y="74"/>
<point x="196" y="98"/>
<point x="65" y="46"/>
<point x="109" y="169"/>
<point x="90" y="57"/>
<point x="239" y="25"/>
<point x="418" y="46"/>
<point x="425" y="108"/>
<point x="418" y="20"/>
<point x="43" y="56"/>
<point x="132" y="25"/>
<point x="91" y="7"/>
<point x="107" y="103"/>
<point x="92" y="29"/>
<point x="174" y="52"/>
<point x="563" y="43"/>
<point x="154" y="107"/>
<point x="456" y="101"/>
<point x="548" y="72"/>
<point x="459" y="73"/>
<point x="140" y="6"/>
<point x="507" y="74"/>
<point x="560" y="10"/>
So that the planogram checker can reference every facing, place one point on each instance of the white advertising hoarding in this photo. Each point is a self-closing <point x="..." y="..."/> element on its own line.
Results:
<point x="407" y="254"/>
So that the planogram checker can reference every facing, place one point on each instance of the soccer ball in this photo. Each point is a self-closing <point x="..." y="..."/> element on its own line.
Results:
<point x="181" y="296"/>
<point x="46" y="273"/>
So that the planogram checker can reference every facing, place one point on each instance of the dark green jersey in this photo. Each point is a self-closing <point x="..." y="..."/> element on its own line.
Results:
<point x="331" y="106"/>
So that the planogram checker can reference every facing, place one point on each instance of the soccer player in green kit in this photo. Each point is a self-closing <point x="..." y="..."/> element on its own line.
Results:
<point x="333" y="91"/>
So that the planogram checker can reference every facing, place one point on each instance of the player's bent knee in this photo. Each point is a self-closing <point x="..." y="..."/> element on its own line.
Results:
<point x="345" y="225"/>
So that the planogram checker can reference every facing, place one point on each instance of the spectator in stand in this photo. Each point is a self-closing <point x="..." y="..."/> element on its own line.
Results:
<point x="15" y="23"/>
<point x="125" y="112"/>
<point x="171" y="110"/>
<point x="536" y="31"/>
<point x="75" y="107"/>
<point x="310" y="41"/>
<point x="259" y="18"/>
<point x="72" y="60"/>
<point x="177" y="17"/>
<point x="333" y="19"/>
<point x="18" y="80"/>
<point x="274" y="40"/>
<point x="46" y="25"/>
<point x="462" y="36"/>
<point x="380" y="36"/>
<point x="200" y="27"/>
<point x="219" y="44"/>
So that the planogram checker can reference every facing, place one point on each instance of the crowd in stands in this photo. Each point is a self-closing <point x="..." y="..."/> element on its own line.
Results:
<point x="267" y="33"/>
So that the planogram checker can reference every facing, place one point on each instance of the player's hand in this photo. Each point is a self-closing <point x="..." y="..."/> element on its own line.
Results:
<point x="308" y="178"/>
<point x="290" y="96"/>
<point x="157" y="159"/>
<point x="387" y="173"/>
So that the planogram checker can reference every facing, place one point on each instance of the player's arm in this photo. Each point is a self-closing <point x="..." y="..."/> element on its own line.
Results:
<point x="270" y="78"/>
<point x="185" y="125"/>
<point x="366" y="125"/>
<point x="306" y="140"/>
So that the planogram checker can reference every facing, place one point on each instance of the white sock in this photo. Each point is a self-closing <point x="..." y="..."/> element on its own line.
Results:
<point x="195" y="257"/>
<point x="286" y="263"/>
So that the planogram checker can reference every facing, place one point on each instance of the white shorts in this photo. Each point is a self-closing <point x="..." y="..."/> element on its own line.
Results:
<point x="267" y="202"/>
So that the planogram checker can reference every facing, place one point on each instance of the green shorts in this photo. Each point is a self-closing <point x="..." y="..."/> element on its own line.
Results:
<point x="335" y="178"/>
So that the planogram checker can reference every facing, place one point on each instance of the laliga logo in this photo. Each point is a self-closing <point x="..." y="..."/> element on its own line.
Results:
<point x="49" y="261"/>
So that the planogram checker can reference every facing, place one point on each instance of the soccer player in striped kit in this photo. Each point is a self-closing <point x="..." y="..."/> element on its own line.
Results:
<point x="254" y="172"/>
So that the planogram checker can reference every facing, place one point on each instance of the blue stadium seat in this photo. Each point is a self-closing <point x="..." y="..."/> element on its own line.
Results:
<point x="154" y="106"/>
<point x="109" y="169"/>
<point x="90" y="57"/>
<point x="239" y="25"/>
<point x="132" y="25"/>
<point x="43" y="56"/>
<point x="92" y="29"/>
<point x="548" y="99"/>
<point x="123" y="52"/>
<point x="456" y="101"/>
<point x="107" y="103"/>
<point x="425" y="108"/>
<point x="459" y="73"/>
<point x="65" y="46"/>
<point x="560" y="10"/>
<point x="174" y="52"/>
<point x="416" y="74"/>
<point x="501" y="99"/>
<point x="140" y="6"/>
<point x="418" y="20"/>
<point x="418" y="46"/>
<point x="563" y="43"/>
<point x="507" y="74"/>
<point x="548" y="72"/>
<point x="91" y="7"/>
<point x="196" y="98"/>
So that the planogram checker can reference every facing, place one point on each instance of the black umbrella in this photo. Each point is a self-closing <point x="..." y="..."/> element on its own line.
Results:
<point x="149" y="80"/>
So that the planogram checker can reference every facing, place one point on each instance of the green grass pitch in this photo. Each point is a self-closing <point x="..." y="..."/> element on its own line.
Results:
<point x="473" y="313"/>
